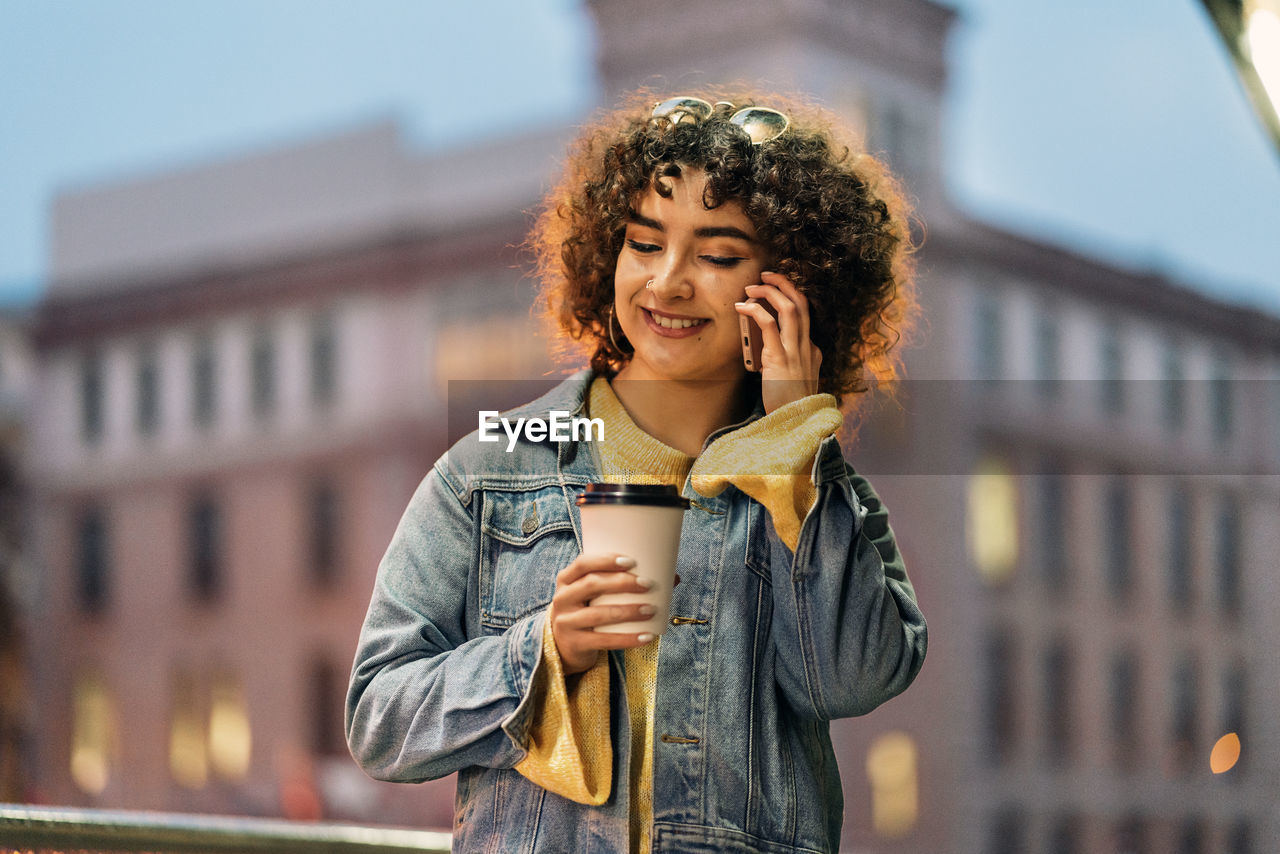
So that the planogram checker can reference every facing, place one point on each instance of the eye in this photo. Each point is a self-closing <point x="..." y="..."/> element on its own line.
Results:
<point x="641" y="247"/>
<point x="727" y="261"/>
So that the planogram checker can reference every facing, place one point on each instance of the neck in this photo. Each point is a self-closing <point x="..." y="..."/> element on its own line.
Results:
<point x="681" y="414"/>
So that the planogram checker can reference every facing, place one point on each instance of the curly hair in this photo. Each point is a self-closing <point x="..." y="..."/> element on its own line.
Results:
<point x="832" y="220"/>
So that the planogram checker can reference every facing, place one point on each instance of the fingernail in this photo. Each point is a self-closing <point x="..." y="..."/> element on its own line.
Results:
<point x="646" y="583"/>
<point x="644" y="637"/>
<point x="623" y="560"/>
<point x="647" y="610"/>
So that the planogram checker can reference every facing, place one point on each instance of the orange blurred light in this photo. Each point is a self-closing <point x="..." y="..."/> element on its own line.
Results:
<point x="1226" y="753"/>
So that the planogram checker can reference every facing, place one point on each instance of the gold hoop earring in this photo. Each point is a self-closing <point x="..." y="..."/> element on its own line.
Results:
<point x="612" y="340"/>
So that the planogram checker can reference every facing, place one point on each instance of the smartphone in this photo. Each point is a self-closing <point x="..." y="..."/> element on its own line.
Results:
<point x="752" y="340"/>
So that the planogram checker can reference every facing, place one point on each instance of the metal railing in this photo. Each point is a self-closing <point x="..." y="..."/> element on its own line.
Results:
<point x="52" y="829"/>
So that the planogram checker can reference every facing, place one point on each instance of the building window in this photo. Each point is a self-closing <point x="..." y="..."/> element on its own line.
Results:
<point x="1111" y="388"/>
<point x="1118" y="507"/>
<point x="204" y="382"/>
<point x="327" y="691"/>
<point x="1185" y="719"/>
<point x="1221" y="401"/>
<point x="891" y="131"/>
<point x="1181" y="543"/>
<point x="1228" y="554"/>
<point x="892" y="772"/>
<point x="1274" y="385"/>
<point x="323" y="360"/>
<point x="1240" y="838"/>
<point x="1048" y="356"/>
<point x="93" y="734"/>
<point x="1124" y="691"/>
<point x="262" y="366"/>
<point x="1064" y="836"/>
<point x="92" y="398"/>
<point x="1006" y="832"/>
<point x="1234" y="699"/>
<point x="1191" y="837"/>
<point x="1053" y="531"/>
<point x="999" y="698"/>
<point x="1174" y="397"/>
<point x="1058" y="676"/>
<point x="205" y="532"/>
<point x="230" y="736"/>
<point x="900" y="137"/>
<point x="148" y="392"/>
<point x="188" y="745"/>
<point x="93" y="561"/>
<point x="992" y="520"/>
<point x="989" y="339"/>
<point x="324" y="531"/>
<point x="1131" y="835"/>
<point x="209" y="732"/>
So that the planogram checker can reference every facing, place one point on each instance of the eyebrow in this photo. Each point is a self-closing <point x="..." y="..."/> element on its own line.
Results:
<point x="711" y="231"/>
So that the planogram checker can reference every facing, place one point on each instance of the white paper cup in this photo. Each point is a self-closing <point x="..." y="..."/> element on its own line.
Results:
<point x="642" y="522"/>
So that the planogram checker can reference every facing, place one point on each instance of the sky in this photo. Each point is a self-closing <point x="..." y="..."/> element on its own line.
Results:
<point x="1116" y="129"/>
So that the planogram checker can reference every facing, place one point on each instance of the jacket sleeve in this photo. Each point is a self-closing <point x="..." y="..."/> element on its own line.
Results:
<point x="848" y="630"/>
<point x="568" y="741"/>
<point x="425" y="699"/>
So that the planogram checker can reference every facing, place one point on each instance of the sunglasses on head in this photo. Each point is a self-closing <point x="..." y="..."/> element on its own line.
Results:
<point x="761" y="124"/>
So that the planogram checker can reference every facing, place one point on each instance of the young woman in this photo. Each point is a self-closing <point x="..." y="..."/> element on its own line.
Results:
<point x="479" y="653"/>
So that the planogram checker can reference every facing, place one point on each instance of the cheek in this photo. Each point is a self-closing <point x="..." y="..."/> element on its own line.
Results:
<point x="729" y="293"/>
<point x="626" y="275"/>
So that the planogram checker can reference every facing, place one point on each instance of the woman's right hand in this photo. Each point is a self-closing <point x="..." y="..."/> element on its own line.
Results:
<point x="573" y="620"/>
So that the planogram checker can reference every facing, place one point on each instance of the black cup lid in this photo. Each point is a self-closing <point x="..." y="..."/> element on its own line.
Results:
<point x="660" y="495"/>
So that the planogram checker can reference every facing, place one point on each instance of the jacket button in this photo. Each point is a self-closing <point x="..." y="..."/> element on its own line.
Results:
<point x="530" y="523"/>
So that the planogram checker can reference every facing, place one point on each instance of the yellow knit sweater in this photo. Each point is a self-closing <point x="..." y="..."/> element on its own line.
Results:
<point x="770" y="459"/>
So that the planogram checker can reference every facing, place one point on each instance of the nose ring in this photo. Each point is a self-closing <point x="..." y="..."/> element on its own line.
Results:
<point x="649" y="285"/>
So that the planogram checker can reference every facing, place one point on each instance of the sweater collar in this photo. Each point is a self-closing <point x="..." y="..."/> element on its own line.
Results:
<point x="627" y="452"/>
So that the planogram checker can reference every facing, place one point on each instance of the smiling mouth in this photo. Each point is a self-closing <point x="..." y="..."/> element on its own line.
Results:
<point x="673" y="322"/>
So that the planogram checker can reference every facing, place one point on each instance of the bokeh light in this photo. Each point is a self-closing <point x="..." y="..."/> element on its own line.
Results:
<point x="1225" y="754"/>
<point x="892" y="771"/>
<point x="992" y="520"/>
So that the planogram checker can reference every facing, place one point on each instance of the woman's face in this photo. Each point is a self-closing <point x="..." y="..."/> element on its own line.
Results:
<point x="700" y="262"/>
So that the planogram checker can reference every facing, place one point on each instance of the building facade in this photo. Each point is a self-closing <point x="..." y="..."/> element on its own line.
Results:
<point x="243" y="369"/>
<point x="15" y="713"/>
<point x="1093" y="453"/>
<point x="223" y="451"/>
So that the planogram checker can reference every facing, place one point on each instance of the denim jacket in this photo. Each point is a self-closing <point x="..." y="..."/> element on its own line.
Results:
<point x="765" y="647"/>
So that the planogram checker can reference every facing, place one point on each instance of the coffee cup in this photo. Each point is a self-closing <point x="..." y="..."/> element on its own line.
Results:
<point x="642" y="522"/>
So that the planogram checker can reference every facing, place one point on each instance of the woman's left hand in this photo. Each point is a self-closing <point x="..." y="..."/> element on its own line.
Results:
<point x="789" y="360"/>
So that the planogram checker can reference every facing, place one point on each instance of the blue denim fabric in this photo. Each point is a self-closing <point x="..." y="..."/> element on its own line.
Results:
<point x="772" y="646"/>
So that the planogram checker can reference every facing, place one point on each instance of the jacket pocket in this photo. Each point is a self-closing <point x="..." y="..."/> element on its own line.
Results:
<point x="527" y="539"/>
<point x="691" y="839"/>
